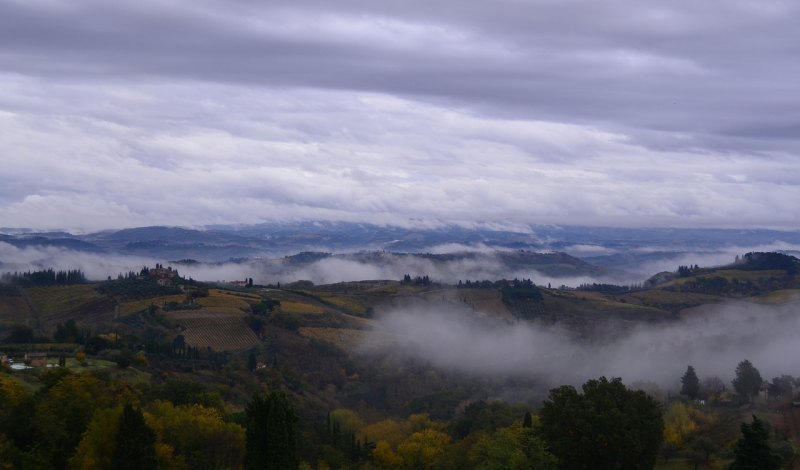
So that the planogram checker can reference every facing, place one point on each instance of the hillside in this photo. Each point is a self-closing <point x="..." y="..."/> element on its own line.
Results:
<point x="153" y="329"/>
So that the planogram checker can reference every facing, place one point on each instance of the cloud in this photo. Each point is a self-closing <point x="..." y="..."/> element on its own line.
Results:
<point x="714" y="342"/>
<point x="187" y="113"/>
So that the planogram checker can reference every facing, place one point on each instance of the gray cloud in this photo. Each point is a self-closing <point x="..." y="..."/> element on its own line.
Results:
<point x="615" y="113"/>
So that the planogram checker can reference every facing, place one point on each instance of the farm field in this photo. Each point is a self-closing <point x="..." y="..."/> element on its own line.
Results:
<point x="14" y="309"/>
<point x="56" y="300"/>
<point x="779" y="296"/>
<point x="220" y="298"/>
<point x="138" y="305"/>
<point x="289" y="306"/>
<point x="220" y="330"/>
<point x="342" y="338"/>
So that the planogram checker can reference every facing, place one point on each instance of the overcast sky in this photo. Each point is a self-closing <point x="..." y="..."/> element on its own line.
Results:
<point x="191" y="112"/>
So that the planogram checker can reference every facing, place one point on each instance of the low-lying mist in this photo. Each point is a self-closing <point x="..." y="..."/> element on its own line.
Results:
<point x="714" y="342"/>
<point x="96" y="266"/>
<point x="329" y="270"/>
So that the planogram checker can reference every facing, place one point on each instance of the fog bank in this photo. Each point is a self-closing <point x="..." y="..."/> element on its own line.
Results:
<point x="453" y="339"/>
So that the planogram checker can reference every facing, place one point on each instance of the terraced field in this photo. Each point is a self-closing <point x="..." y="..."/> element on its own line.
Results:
<point x="342" y="338"/>
<point x="220" y="330"/>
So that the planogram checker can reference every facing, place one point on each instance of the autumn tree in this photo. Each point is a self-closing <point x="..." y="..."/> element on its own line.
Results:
<point x="607" y="426"/>
<point x="748" y="380"/>
<point x="198" y="434"/>
<point x="678" y="425"/>
<point x="690" y="384"/>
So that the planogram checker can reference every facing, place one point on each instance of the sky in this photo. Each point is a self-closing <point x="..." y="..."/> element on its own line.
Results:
<point x="615" y="113"/>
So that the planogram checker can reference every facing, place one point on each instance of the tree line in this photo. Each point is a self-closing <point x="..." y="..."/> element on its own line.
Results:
<point x="44" y="277"/>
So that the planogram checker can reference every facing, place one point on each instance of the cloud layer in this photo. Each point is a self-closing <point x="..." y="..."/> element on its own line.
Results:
<point x="186" y="113"/>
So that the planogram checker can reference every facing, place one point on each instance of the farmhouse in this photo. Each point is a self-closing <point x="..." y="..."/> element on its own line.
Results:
<point x="36" y="359"/>
<point x="160" y="272"/>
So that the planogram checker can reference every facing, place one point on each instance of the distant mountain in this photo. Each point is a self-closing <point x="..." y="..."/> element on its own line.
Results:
<point x="39" y="241"/>
<point x="612" y="248"/>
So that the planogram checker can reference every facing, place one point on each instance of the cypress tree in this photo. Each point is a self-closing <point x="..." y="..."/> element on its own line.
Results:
<point x="135" y="442"/>
<point x="270" y="434"/>
<point x="690" y="383"/>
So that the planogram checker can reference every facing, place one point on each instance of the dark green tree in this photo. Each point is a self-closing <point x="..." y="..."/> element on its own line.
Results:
<point x="752" y="450"/>
<point x="68" y="333"/>
<point x="748" y="380"/>
<point x="135" y="442"/>
<point x="252" y="362"/>
<point x="270" y="433"/>
<point x="608" y="426"/>
<point x="782" y="386"/>
<point x="690" y="384"/>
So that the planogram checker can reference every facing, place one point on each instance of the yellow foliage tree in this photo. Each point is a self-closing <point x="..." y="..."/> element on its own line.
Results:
<point x="678" y="424"/>
<point x="388" y="430"/>
<point x="96" y="448"/>
<point x="197" y="433"/>
<point x="424" y="448"/>
<point x="384" y="456"/>
<point x="11" y="393"/>
<point x="347" y="419"/>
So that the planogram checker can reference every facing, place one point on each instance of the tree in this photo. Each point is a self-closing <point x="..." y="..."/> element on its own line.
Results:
<point x="135" y="442"/>
<point x="712" y="387"/>
<point x="514" y="447"/>
<point x="678" y="425"/>
<point x="690" y="383"/>
<point x="270" y="435"/>
<point x="748" y="380"/>
<point x="252" y="362"/>
<point x="752" y="450"/>
<point x="705" y="447"/>
<point x="782" y="386"/>
<point x="198" y="435"/>
<point x="608" y="426"/>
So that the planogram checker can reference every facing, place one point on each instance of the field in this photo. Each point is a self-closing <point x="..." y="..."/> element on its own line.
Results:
<point x="57" y="300"/>
<point x="346" y="303"/>
<point x="289" y="306"/>
<point x="342" y="338"/>
<point x="779" y="296"/>
<point x="220" y="330"/>
<point x="730" y="275"/>
<point x="138" y="305"/>
<point x="14" y="309"/>
<point x="220" y="298"/>
<point x="670" y="300"/>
